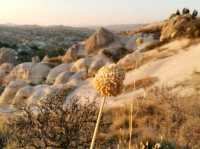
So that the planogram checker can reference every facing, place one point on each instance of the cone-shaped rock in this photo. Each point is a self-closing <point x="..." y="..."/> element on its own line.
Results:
<point x="101" y="38"/>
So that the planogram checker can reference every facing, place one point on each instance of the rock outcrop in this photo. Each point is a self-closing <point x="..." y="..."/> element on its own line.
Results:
<point x="22" y="95"/>
<point x="53" y="61"/>
<point x="177" y="26"/>
<point x="71" y="54"/>
<point x="5" y="69"/>
<point x="10" y="91"/>
<point x="39" y="93"/>
<point x="32" y="73"/>
<point x="98" y="40"/>
<point x="63" y="77"/>
<point x="129" y="61"/>
<point x="53" y="74"/>
<point x="98" y="61"/>
<point x="80" y="64"/>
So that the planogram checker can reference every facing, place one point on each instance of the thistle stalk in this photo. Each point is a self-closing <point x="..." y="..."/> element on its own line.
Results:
<point x="131" y="126"/>
<point x="97" y="124"/>
<point x="108" y="82"/>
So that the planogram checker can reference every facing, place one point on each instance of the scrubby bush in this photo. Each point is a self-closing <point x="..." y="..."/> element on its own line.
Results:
<point x="50" y="125"/>
<point x="5" y="135"/>
<point x="53" y="53"/>
<point x="61" y="51"/>
<point x="160" y="119"/>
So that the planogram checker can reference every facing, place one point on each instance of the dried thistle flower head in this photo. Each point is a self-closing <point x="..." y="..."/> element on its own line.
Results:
<point x="109" y="80"/>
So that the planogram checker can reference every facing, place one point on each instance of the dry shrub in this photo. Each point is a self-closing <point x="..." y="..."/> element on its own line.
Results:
<point x="50" y="125"/>
<point x="160" y="114"/>
<point x="4" y="133"/>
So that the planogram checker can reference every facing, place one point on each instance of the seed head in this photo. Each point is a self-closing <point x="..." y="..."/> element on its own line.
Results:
<point x="109" y="80"/>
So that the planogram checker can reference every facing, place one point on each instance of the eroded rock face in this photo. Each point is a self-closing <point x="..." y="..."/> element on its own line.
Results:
<point x="129" y="61"/>
<point x="180" y="26"/>
<point x="8" y="55"/>
<point x="53" y="74"/>
<point x="71" y="54"/>
<point x="32" y="73"/>
<point x="80" y="64"/>
<point x="99" y="61"/>
<point x="5" y="69"/>
<point x="10" y="91"/>
<point x="63" y="78"/>
<point x="52" y="61"/>
<point x="81" y="75"/>
<point x="98" y="40"/>
<point x="22" y="95"/>
<point x="39" y="93"/>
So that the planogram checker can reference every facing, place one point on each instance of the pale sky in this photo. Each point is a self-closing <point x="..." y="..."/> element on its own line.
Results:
<point x="89" y="12"/>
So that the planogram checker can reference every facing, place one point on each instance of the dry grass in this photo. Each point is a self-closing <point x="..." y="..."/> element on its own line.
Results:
<point x="141" y="83"/>
<point x="161" y="114"/>
<point x="162" y="118"/>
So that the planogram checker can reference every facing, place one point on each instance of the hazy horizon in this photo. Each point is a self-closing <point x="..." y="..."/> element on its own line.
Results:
<point x="88" y="12"/>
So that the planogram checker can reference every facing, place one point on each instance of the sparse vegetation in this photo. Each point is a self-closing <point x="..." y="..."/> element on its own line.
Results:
<point x="50" y="125"/>
<point x="162" y="118"/>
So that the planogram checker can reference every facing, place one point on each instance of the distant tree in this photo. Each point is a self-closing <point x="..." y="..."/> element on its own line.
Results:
<point x="23" y="56"/>
<point x="40" y="52"/>
<point x="52" y="53"/>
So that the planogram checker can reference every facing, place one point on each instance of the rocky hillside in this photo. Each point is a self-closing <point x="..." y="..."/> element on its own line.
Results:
<point x="144" y="55"/>
<point x="164" y="54"/>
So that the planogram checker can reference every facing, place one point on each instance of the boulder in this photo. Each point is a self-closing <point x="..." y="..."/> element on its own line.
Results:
<point x="10" y="91"/>
<point x="129" y="61"/>
<point x="2" y="76"/>
<point x="80" y="75"/>
<point x="53" y="74"/>
<point x="40" y="92"/>
<point x="8" y="55"/>
<point x="85" y="93"/>
<point x="82" y="63"/>
<point x="98" y="61"/>
<point x="71" y="54"/>
<point x="71" y="77"/>
<point x="39" y="73"/>
<point x="53" y="61"/>
<point x="32" y="73"/>
<point x="63" y="77"/>
<point x="5" y="69"/>
<point x="22" y="95"/>
<point x="101" y="38"/>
